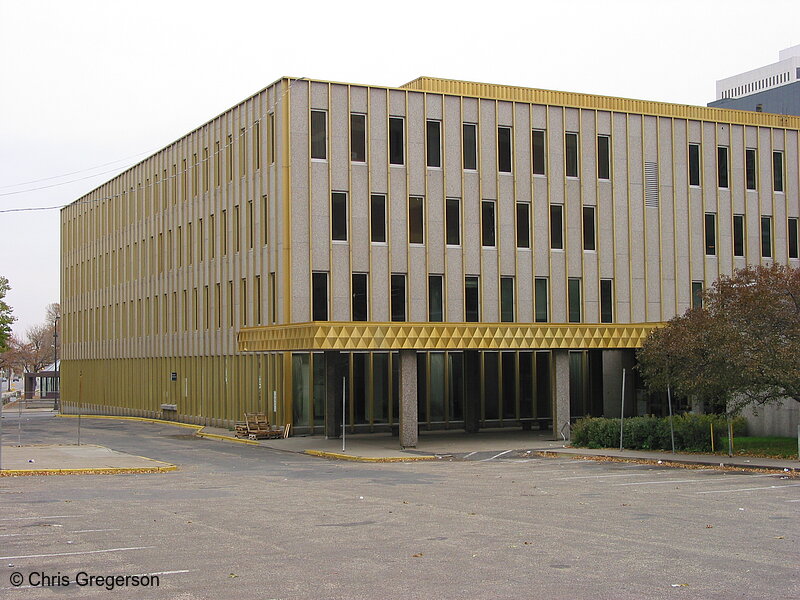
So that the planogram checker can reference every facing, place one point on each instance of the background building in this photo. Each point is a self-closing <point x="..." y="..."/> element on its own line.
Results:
<point x="446" y="253"/>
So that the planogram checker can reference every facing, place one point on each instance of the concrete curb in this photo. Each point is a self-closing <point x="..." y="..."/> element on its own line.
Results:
<point x="87" y="471"/>
<point x="386" y="459"/>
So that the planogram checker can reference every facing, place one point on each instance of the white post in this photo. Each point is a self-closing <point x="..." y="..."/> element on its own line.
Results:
<point x="622" y="410"/>
<point x="344" y="411"/>
<point x="671" y="428"/>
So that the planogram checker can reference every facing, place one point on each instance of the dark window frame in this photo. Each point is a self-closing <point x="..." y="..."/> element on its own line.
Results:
<point x="339" y="217"/>
<point x="318" y="141"/>
<point x="472" y="295"/>
<point x="507" y="307"/>
<point x="469" y="151"/>
<point x="723" y="167"/>
<point x="750" y="169"/>
<point x="738" y="235"/>
<point x="358" y="138"/>
<point x="539" y="152"/>
<point x="556" y="227"/>
<point x="604" y="157"/>
<point x="433" y="144"/>
<point x="571" y="154"/>
<point x="792" y="237"/>
<point x="523" y="225"/>
<point x="488" y="224"/>
<point x="693" y="165"/>
<point x="416" y="220"/>
<point x="710" y="233"/>
<point x="589" y="216"/>
<point x="766" y="236"/>
<point x="606" y="300"/>
<point x="377" y="222"/>
<point x="359" y="305"/>
<point x="505" y="149"/>
<point x="435" y="303"/>
<point x="452" y="221"/>
<point x="541" y="310"/>
<point x="397" y="135"/>
<point x="320" y="309"/>
<point x="777" y="171"/>
<point x="574" y="302"/>
<point x="398" y="303"/>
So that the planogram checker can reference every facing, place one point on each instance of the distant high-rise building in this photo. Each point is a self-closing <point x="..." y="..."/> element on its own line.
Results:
<point x="773" y="88"/>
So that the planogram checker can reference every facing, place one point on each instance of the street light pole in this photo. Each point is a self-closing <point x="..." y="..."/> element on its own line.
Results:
<point x="57" y="379"/>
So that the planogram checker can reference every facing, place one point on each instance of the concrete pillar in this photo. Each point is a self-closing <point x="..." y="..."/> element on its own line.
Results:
<point x="472" y="391"/>
<point x="613" y="363"/>
<point x="561" y="390"/>
<point x="334" y="372"/>
<point x="408" y="399"/>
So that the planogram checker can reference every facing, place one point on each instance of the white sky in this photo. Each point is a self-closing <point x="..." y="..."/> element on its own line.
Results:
<point x="84" y="83"/>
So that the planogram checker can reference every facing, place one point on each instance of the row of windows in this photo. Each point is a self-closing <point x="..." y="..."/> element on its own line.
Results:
<point x="723" y="168"/>
<point x="756" y="86"/>
<point x="710" y="226"/>
<point x="472" y="312"/>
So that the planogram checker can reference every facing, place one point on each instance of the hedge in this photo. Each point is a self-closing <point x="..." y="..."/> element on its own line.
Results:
<point x="692" y="432"/>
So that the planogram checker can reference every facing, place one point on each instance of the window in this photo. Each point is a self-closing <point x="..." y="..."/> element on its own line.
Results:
<point x="722" y="166"/>
<point x="271" y="138"/>
<point x="243" y="302"/>
<point x="523" y="225"/>
<point x="603" y="157"/>
<point x="711" y="234"/>
<point x="339" y="216"/>
<point x="398" y="297"/>
<point x="694" y="164"/>
<point x="257" y="303"/>
<point x="556" y="227"/>
<point x="571" y="154"/>
<point x="453" y="221"/>
<point x="540" y="300"/>
<point x="697" y="294"/>
<point x="574" y="299"/>
<point x="433" y="138"/>
<point x="435" y="299"/>
<point x="504" y="149"/>
<point x="273" y="305"/>
<point x="470" y="146"/>
<point x="487" y="223"/>
<point x="793" y="247"/>
<point x="396" y="148"/>
<point x="738" y="235"/>
<point x="472" y="313"/>
<point x="359" y="291"/>
<point x="224" y="233"/>
<point x="319" y="134"/>
<point x="377" y="218"/>
<point x="777" y="171"/>
<point x="358" y="138"/>
<point x="589" y="242"/>
<point x="538" y="155"/>
<point x="766" y="237"/>
<point x="606" y="301"/>
<point x="319" y="296"/>
<point x="416" y="220"/>
<point x="506" y="299"/>
<point x="236" y="229"/>
<point x="750" y="168"/>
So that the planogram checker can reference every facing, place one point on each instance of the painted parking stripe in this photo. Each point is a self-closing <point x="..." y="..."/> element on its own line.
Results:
<point x="603" y="476"/>
<point x="470" y="454"/>
<point x="48" y="517"/>
<point x="76" y="553"/>
<point x="39" y="533"/>
<point x="496" y="456"/>
<point x="663" y="482"/>
<point x="769" y="487"/>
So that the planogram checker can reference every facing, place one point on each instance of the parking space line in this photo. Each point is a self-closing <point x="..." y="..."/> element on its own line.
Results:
<point x="662" y="482"/>
<point x="769" y="487"/>
<point x="603" y="476"/>
<point x="76" y="553"/>
<point x="496" y="456"/>
<point x="29" y="518"/>
<point x="470" y="454"/>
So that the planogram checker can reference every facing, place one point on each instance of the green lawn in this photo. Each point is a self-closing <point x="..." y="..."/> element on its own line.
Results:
<point x="778" y="447"/>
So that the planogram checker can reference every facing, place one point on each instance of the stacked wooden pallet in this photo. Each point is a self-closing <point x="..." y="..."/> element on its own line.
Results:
<point x="256" y="426"/>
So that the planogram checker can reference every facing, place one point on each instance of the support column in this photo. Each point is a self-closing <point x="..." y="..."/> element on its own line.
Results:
<point x="613" y="363"/>
<point x="334" y="372"/>
<point x="561" y="413"/>
<point x="472" y="391"/>
<point x="408" y="399"/>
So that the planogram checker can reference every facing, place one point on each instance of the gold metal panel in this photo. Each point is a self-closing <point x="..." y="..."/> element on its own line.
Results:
<point x="595" y="102"/>
<point x="350" y="336"/>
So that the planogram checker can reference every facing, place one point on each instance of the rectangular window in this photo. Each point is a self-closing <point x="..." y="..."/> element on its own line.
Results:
<point x="540" y="300"/>
<point x="224" y="233"/>
<point x="358" y="138"/>
<point x="738" y="235"/>
<point x="271" y="138"/>
<point x="236" y="229"/>
<point x="777" y="171"/>
<point x="506" y="299"/>
<point x="574" y="299"/>
<point x="435" y="298"/>
<point x="242" y="152"/>
<point x="416" y="220"/>
<point x="228" y="163"/>
<point x="217" y="305"/>
<point x="722" y="166"/>
<point x="750" y="168"/>
<point x="319" y="134"/>
<point x="556" y="227"/>
<point x="453" y="222"/>
<point x="571" y="154"/>
<point x="694" y="164"/>
<point x="243" y="302"/>
<point x="472" y="312"/>
<point x="230" y="304"/>
<point x="319" y="296"/>
<point x="257" y="302"/>
<point x="377" y="218"/>
<point x="589" y="242"/>
<point x="793" y="247"/>
<point x="603" y="157"/>
<point x="504" y="149"/>
<point x="606" y="301"/>
<point x="212" y="238"/>
<point x="697" y="294"/>
<point x="766" y="237"/>
<point x="339" y="216"/>
<point x="360" y="312"/>
<point x="523" y="225"/>
<point x="470" y="146"/>
<point x="538" y="152"/>
<point x="711" y="234"/>
<point x="273" y="306"/>
<point x="487" y="223"/>
<point x="396" y="142"/>
<point x="256" y="146"/>
<point x="398" y="297"/>
<point x="433" y="138"/>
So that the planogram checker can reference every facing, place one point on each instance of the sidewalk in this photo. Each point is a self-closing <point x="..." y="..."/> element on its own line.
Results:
<point x="57" y="459"/>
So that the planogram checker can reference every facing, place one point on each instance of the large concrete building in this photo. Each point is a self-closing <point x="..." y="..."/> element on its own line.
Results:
<point x="444" y="254"/>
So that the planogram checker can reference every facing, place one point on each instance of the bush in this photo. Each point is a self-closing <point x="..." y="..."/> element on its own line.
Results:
<point x="692" y="432"/>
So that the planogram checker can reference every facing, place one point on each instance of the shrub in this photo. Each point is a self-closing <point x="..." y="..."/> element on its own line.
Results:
<point x="692" y="432"/>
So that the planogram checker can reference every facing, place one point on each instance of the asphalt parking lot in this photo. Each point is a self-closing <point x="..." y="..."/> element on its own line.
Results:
<point x="239" y="521"/>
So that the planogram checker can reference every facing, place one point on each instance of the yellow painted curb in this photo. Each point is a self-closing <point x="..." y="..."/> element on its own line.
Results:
<point x="388" y="459"/>
<point x="87" y="471"/>
<point x="227" y="438"/>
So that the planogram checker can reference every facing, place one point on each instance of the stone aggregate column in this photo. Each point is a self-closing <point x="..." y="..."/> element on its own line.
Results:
<point x="408" y="399"/>
<point x="561" y="389"/>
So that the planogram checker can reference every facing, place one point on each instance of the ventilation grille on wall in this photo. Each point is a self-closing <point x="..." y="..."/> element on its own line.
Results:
<point x="651" y="184"/>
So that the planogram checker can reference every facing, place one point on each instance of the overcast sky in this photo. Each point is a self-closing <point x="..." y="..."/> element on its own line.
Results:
<point x="91" y="87"/>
